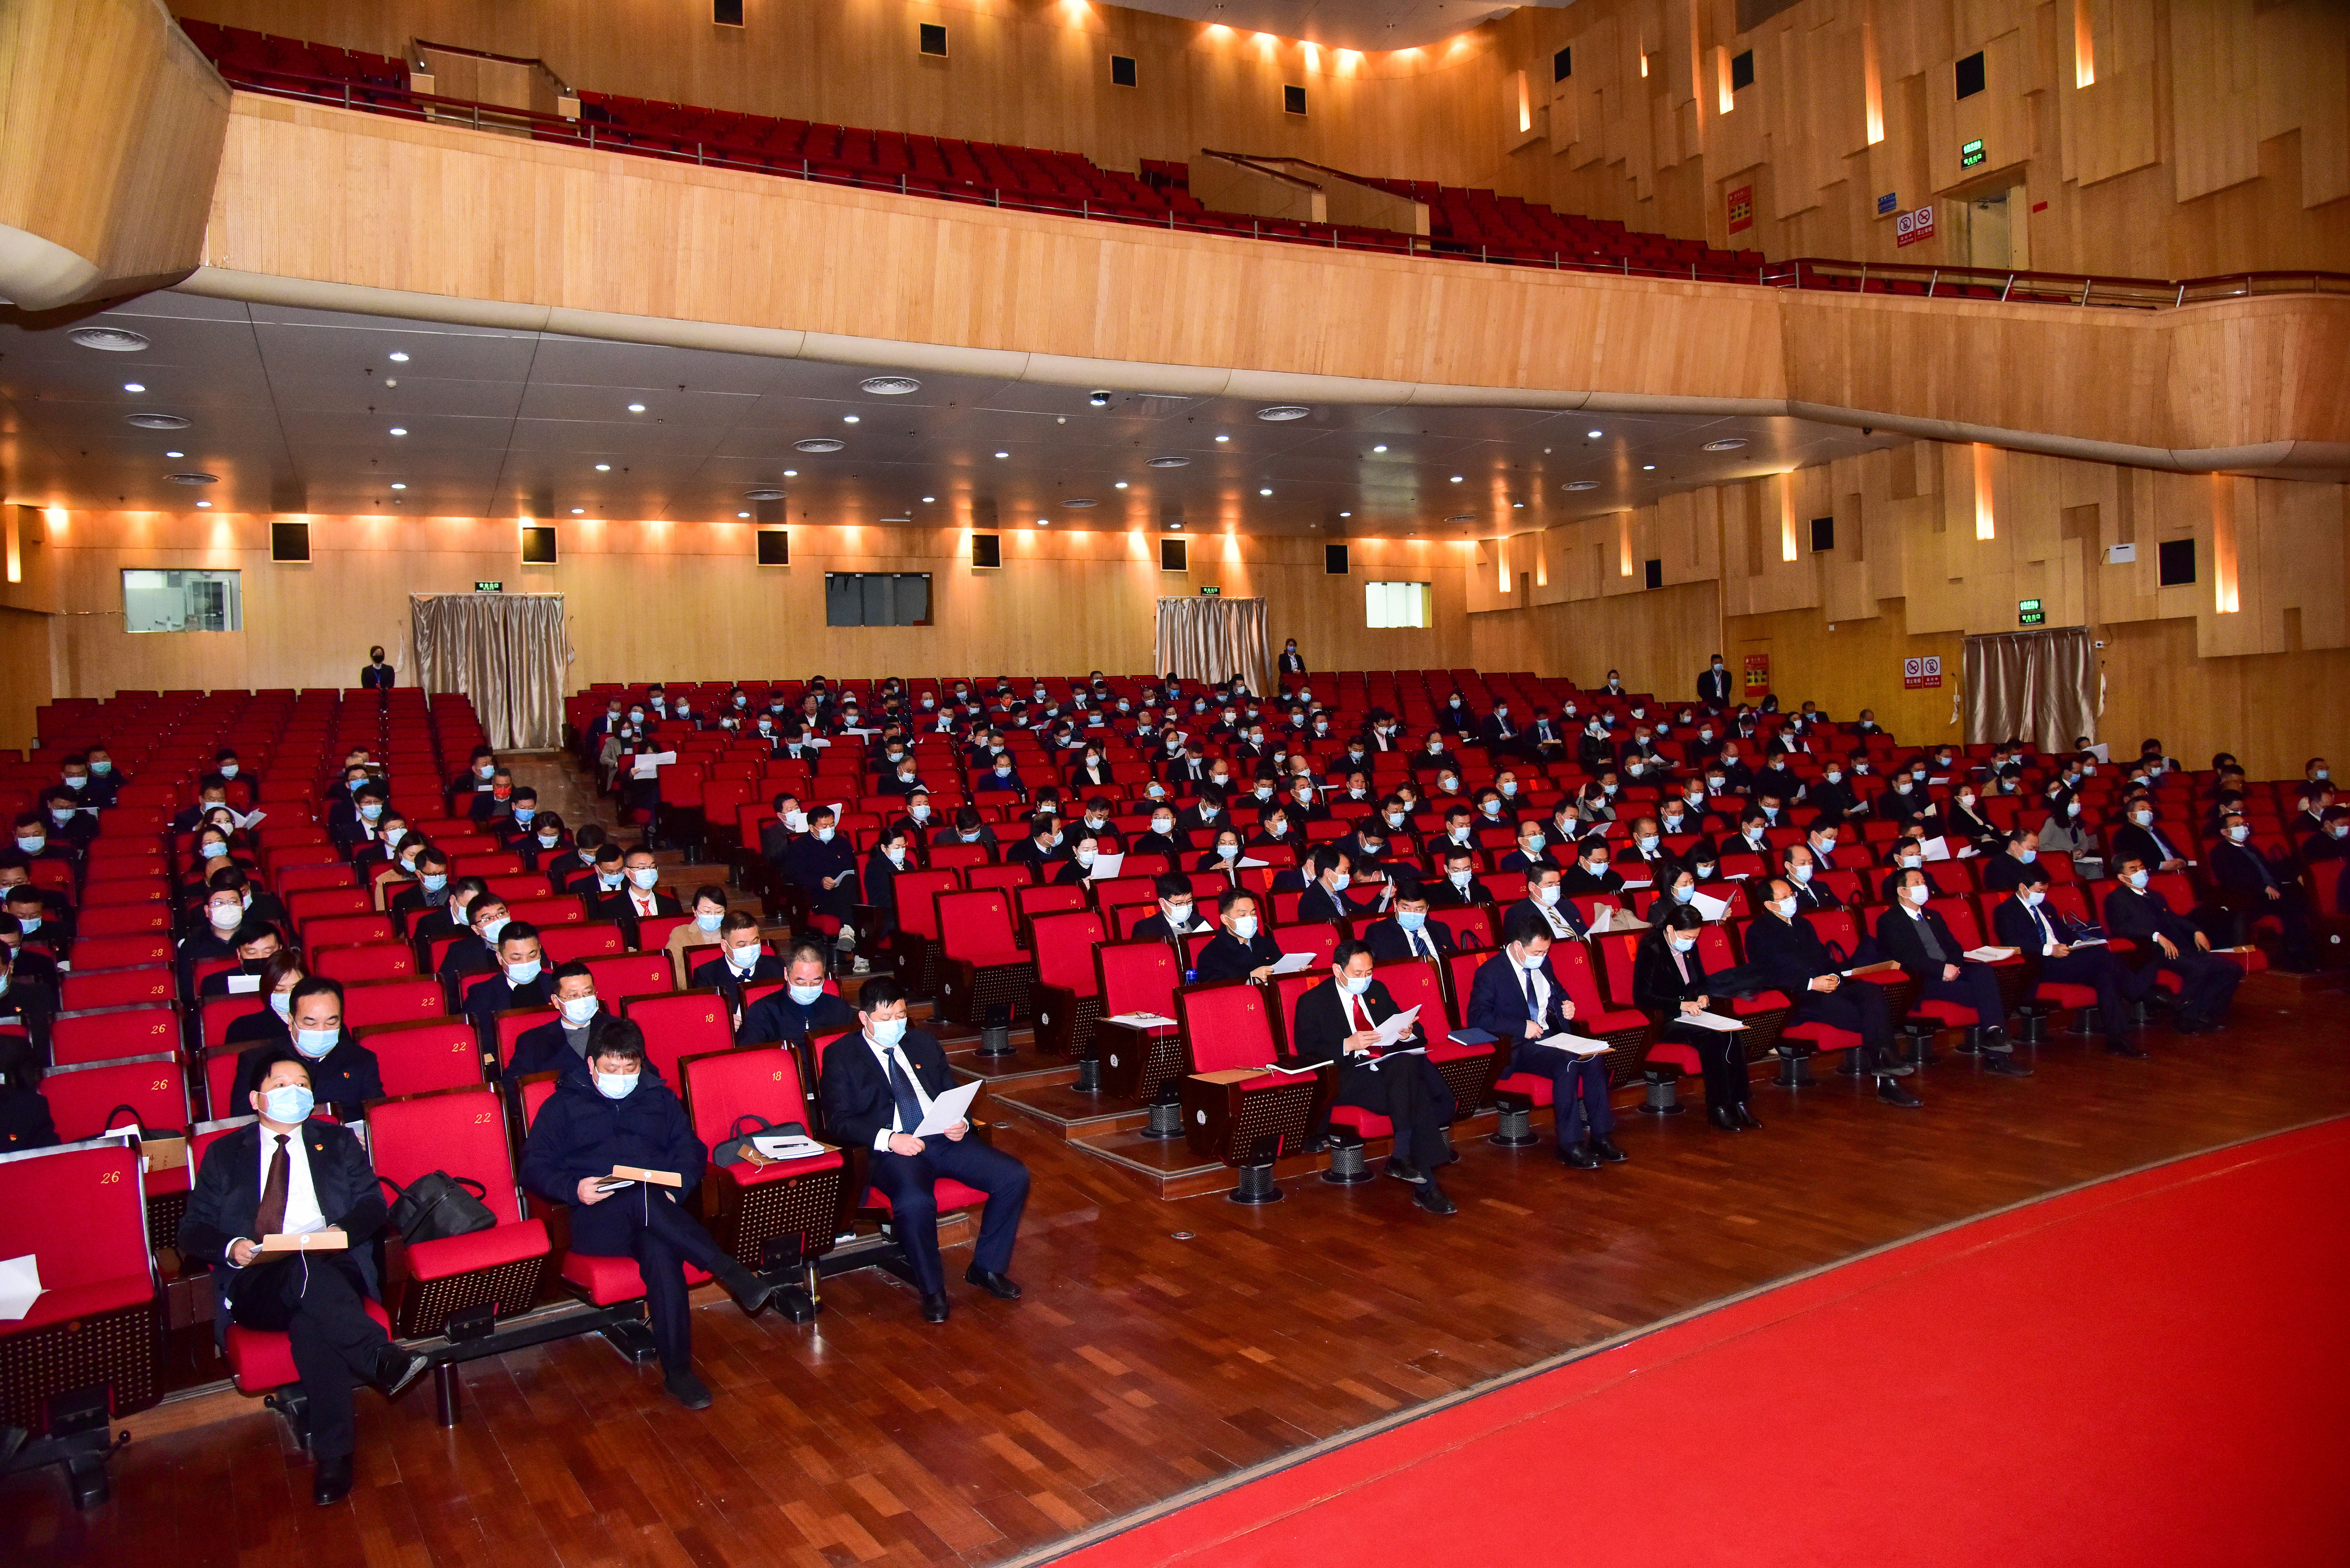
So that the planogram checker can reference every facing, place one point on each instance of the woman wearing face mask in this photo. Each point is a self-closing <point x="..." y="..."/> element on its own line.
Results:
<point x="273" y="1024"/>
<point x="546" y="845"/>
<point x="686" y="942"/>
<point x="2065" y="830"/>
<point x="1959" y="819"/>
<point x="214" y="848"/>
<point x="1671" y="982"/>
<point x="1164" y="836"/>
<point x="1224" y="856"/>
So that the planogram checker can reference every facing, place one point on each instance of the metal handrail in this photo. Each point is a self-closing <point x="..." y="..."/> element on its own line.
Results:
<point x="1824" y="274"/>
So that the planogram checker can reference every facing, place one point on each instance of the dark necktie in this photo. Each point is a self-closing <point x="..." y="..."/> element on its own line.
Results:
<point x="270" y="1218"/>
<point x="1526" y="983"/>
<point x="901" y="1088"/>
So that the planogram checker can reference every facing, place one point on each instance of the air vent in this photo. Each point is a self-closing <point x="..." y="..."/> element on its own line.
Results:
<point x="109" y="340"/>
<point x="1171" y="462"/>
<point x="1463" y="517"/>
<point x="194" y="478"/>
<point x="1733" y="444"/>
<point x="1080" y="501"/>
<point x="890" y="386"/>
<point x="821" y="444"/>
<point x="1281" y="413"/>
<point x="1582" y="484"/>
<point x="1158" y="405"/>
<point x="156" y="422"/>
<point x="763" y="495"/>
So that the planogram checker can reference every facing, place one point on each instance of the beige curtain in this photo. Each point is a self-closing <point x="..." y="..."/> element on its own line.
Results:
<point x="505" y="651"/>
<point x="2038" y="686"/>
<point x="1211" y="637"/>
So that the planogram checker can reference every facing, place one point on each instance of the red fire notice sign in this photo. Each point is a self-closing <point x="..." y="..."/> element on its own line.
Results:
<point x="1741" y="209"/>
<point x="1758" y="672"/>
<point x="1908" y="228"/>
<point x="1922" y="672"/>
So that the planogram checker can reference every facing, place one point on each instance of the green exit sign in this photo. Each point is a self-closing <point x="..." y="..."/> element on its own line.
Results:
<point x="488" y="588"/>
<point x="1209" y="590"/>
<point x="2028" y="613"/>
<point x="1971" y="154"/>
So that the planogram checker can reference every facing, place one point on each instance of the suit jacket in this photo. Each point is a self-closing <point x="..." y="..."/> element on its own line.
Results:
<point x="1788" y="954"/>
<point x="1578" y="881"/>
<point x="1954" y="823"/>
<point x="1838" y="799"/>
<point x="1899" y="936"/>
<point x="1318" y="903"/>
<point x="1390" y="943"/>
<point x="1497" y="999"/>
<point x="580" y="1132"/>
<point x="498" y="994"/>
<point x="2140" y="916"/>
<point x="1319" y="1032"/>
<point x="2241" y="868"/>
<point x="25" y="1121"/>
<point x="1444" y="895"/>
<point x="2014" y="927"/>
<point x="718" y="974"/>
<point x="619" y="905"/>
<point x="855" y="1092"/>
<point x="377" y="677"/>
<point x="226" y="1194"/>
<point x="1713" y="687"/>
<point x="2003" y="873"/>
<point x="545" y="1050"/>
<point x="776" y="1016"/>
<point x="1658" y="986"/>
<point x="1563" y="910"/>
<point x="346" y="1077"/>
<point x="1226" y="957"/>
<point x="1815" y="895"/>
<point x="468" y="955"/>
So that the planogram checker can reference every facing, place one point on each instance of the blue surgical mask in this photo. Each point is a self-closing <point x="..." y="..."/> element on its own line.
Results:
<point x="1411" y="920"/>
<point x="316" y="1043"/>
<point x="889" y="1031"/>
<point x="281" y="1003"/>
<point x="1683" y="895"/>
<point x="616" y="1085"/>
<point x="523" y="973"/>
<point x="805" y="995"/>
<point x="524" y="813"/>
<point x="287" y="1103"/>
<point x="708" y="922"/>
<point x="1357" y="984"/>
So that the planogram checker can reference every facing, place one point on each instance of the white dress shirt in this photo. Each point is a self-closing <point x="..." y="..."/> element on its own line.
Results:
<point x="302" y="1215"/>
<point x="1541" y="987"/>
<point x="883" y="1054"/>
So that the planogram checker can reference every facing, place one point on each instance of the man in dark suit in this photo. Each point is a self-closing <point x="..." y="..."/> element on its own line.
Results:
<point x="877" y="1087"/>
<point x="339" y="1071"/>
<point x="1204" y="816"/>
<point x="1408" y="933"/>
<point x="376" y="675"/>
<point x="247" y="1189"/>
<point x="1547" y="903"/>
<point x="1460" y="886"/>
<point x="739" y="960"/>
<point x="642" y="898"/>
<point x="1783" y="949"/>
<point x="1242" y="950"/>
<point x="1532" y="852"/>
<point x="521" y="979"/>
<point x="2024" y="921"/>
<point x="1590" y="872"/>
<point x="565" y="1043"/>
<point x="1921" y="941"/>
<point x="1800" y="868"/>
<point x="775" y="838"/>
<point x="1501" y="736"/>
<point x="1041" y="849"/>
<point x="2004" y="872"/>
<point x="2330" y="845"/>
<point x="1176" y="915"/>
<point x="618" y="1114"/>
<point x="1325" y="897"/>
<point x="1165" y="836"/>
<point x="475" y="952"/>
<point x="1713" y="684"/>
<point x="2207" y="980"/>
<point x="2238" y="865"/>
<point x="1338" y="1021"/>
<point x="1518" y="997"/>
<point x="802" y="1009"/>
<point x="822" y="866"/>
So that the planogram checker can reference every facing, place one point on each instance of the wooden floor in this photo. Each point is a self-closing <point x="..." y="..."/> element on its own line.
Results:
<point x="1163" y="1345"/>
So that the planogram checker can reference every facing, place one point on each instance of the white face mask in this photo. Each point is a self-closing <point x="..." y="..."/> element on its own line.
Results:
<point x="578" y="1009"/>
<point x="316" y="1043"/>
<point x="1459" y="879"/>
<point x="2031" y="897"/>
<point x="1787" y="909"/>
<point x="523" y="973"/>
<point x="1548" y="895"/>
<point x="616" y="1085"/>
<point x="2238" y="834"/>
<point x="889" y="1030"/>
<point x="2143" y="818"/>
<point x="1683" y="944"/>
<point x="706" y="922"/>
<point x="1244" y="928"/>
<point x="2138" y="881"/>
<point x="223" y="917"/>
<point x="1227" y="851"/>
<point x="645" y="876"/>
<point x="805" y="995"/>
<point x="1918" y="895"/>
<point x="1800" y="873"/>
<point x="744" y="958"/>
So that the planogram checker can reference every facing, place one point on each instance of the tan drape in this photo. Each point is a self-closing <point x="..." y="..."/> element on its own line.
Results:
<point x="1211" y="637"/>
<point x="2038" y="686"/>
<point x="505" y="651"/>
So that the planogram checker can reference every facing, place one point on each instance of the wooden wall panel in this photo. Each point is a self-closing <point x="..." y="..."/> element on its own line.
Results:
<point x="2273" y="710"/>
<point x="1659" y="640"/>
<point x="25" y="655"/>
<point x="1845" y="666"/>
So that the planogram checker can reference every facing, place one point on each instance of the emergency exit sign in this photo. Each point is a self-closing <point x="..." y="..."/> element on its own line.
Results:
<point x="489" y="587"/>
<point x="2028" y="613"/>
<point x="1970" y="153"/>
<point x="1209" y="590"/>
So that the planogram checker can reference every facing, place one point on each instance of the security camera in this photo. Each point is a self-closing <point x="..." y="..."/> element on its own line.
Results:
<point x="1868" y="430"/>
<point x="1099" y="399"/>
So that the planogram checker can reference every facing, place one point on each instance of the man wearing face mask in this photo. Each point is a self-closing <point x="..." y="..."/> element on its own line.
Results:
<point x="1408" y="933"/>
<point x="2258" y="890"/>
<point x="624" y="1115"/>
<point x="1921" y="942"/>
<point x="475" y="952"/>
<point x="1789" y="957"/>
<point x="1800" y="868"/>
<point x="1325" y="897"/>
<point x="876" y="1088"/>
<point x="1460" y="886"/>
<point x="2138" y="835"/>
<point x="1517" y="998"/>
<point x="1175" y="916"/>
<point x="368" y="804"/>
<point x="2025" y="921"/>
<point x="343" y="1074"/>
<point x="2003" y="872"/>
<point x="739" y="962"/>
<point x="1669" y="982"/>
<point x="2167" y="940"/>
<point x="520" y="979"/>
<point x="1242" y="949"/>
<point x="1713" y="684"/>
<point x="968" y="827"/>
<point x="802" y="1008"/>
<point x="228" y="905"/>
<point x="444" y="900"/>
<point x="516" y="828"/>
<point x="1646" y="856"/>
<point x="566" y="1045"/>
<point x="1904" y="854"/>
<point x="1547" y="903"/>
<point x="823" y="866"/>
<point x="1338" y="1021"/>
<point x="288" y="1174"/>
<point x="1205" y="816"/>
<point x="1042" y="850"/>
<point x="256" y="944"/>
<point x="1166" y="836"/>
<point x="71" y="827"/>
<point x="2330" y="845"/>
<point x="1591" y="872"/>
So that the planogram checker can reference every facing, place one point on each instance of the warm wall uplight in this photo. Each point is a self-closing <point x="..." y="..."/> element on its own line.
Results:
<point x="1502" y="564"/>
<point x="1349" y="61"/>
<point x="2084" y="46"/>
<point x="1872" y="76"/>
<point x="1787" y="515"/>
<point x="1725" y="98"/>
<point x="15" y="548"/>
<point x="2224" y="580"/>
<point x="1986" y="514"/>
<point x="1313" y="55"/>
<point x="1525" y="106"/>
<point x="1643" y="68"/>
<point x="1624" y="544"/>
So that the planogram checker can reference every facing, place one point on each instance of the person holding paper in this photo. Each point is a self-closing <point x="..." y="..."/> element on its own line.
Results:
<point x="1921" y="942"/>
<point x="1788" y="955"/>
<point x="1339" y="1021"/>
<point x="878" y="1090"/>
<point x="289" y="1175"/>
<point x="2024" y="921"/>
<point x="1669" y="982"/>
<point x="1242" y="950"/>
<point x="1175" y="911"/>
<point x="1518" y="997"/>
<point x="822" y="866"/>
<point x="1086" y="852"/>
<point x="256" y="944"/>
<point x="619" y="1114"/>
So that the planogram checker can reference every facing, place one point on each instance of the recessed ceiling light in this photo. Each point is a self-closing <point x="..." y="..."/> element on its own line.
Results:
<point x="1581" y="484"/>
<point x="1003" y="454"/>
<point x="927" y="500"/>
<point x="578" y="511"/>
<point x="1594" y="435"/>
<point x="791" y="474"/>
<point x="396" y="485"/>
<point x="1178" y="524"/>
<point x="109" y="340"/>
<point x="819" y="444"/>
<point x="1378" y="448"/>
<point x="1281" y="413"/>
<point x="635" y="408"/>
<point x="1345" y="515"/>
<point x="1121" y="485"/>
<point x="204" y="503"/>
<point x="1727" y="445"/>
<point x="1044" y="521"/>
<point x="767" y="494"/>
<point x="1264" y="492"/>
<point x="133" y="386"/>
<point x="1647" y="468"/>
<point x="398" y="431"/>
<point x="890" y="386"/>
<point x="175" y="454"/>
<point x="157" y="422"/>
<point x="1463" y="517"/>
<point x="848" y="419"/>
<point x="741" y="515"/>
<point x="603" y="468"/>
<point x="1517" y="506"/>
<point x="1456" y="479"/>
<point x="1169" y="462"/>
<point x="397" y="357"/>
<point x="1223" y="438"/>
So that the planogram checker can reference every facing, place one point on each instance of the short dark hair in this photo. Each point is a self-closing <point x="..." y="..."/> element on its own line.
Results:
<point x="1347" y="949"/>
<point x="805" y="951"/>
<point x="737" y="920"/>
<point x="1171" y="883"/>
<point x="1681" y="918"/>
<point x="1523" y="926"/>
<point x="315" y="985"/>
<point x="879" y="991"/>
<point x="573" y="968"/>
<point x="1230" y="898"/>
<point x="517" y="931"/>
<point x="712" y="892"/>
<point x="621" y="1039"/>
<point x="276" y="1053"/>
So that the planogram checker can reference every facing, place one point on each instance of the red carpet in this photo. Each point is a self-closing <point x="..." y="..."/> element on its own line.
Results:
<point x="2152" y="1370"/>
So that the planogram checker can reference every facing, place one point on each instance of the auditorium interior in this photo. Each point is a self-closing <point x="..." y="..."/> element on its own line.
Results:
<point x="1421" y="746"/>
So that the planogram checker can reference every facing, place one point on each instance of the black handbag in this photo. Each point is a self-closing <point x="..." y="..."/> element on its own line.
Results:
<point x="735" y="1147"/>
<point x="437" y="1206"/>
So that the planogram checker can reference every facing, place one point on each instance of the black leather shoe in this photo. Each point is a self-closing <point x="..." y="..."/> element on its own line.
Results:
<point x="750" y="1292"/>
<point x="1893" y="1094"/>
<point x="687" y="1390"/>
<point x="1404" y="1170"/>
<point x="331" y="1483"/>
<point x="1746" y="1117"/>
<point x="396" y="1368"/>
<point x="1430" y="1197"/>
<point x="1892" y="1068"/>
<point x="934" y="1308"/>
<point x="2005" y="1067"/>
<point x="1580" y="1157"/>
<point x="997" y="1285"/>
<point x="2124" y="1048"/>
<point x="1997" y="1040"/>
<point x="1724" y="1118"/>
<point x="1604" y="1148"/>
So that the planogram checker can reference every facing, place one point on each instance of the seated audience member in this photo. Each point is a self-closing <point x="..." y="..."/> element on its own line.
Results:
<point x="968" y="827"/>
<point x="342" y="1072"/>
<point x="2331" y="844"/>
<point x="1176" y="915"/>
<point x="1338" y="1021"/>
<point x="1085" y="853"/>
<point x="2239" y="867"/>
<point x="776" y="836"/>
<point x="73" y="820"/>
<point x="1787" y="955"/>
<point x="475" y="952"/>
<point x="2004" y="872"/>
<point x="2062" y="831"/>
<point x="430" y="890"/>
<point x="1224" y="856"/>
<point x="273" y="1024"/>
<point x="1669" y="982"/>
<point x="1801" y="867"/>
<point x="1242" y="950"/>
<point x="740" y="959"/>
<point x="546" y="846"/>
<point x="1041" y="849"/>
<point x="24" y="1122"/>
<point x="289" y="1174"/>
<point x="801" y="1010"/>
<point x="1516" y="997"/>
<point x="1590" y="872"/>
<point x="641" y="895"/>
<point x="256" y="944"/>
<point x="1921" y="941"/>
<point x="1547" y="903"/>
<point x="565" y="1043"/>
<point x="2167" y="941"/>
<point x="1165" y="837"/>
<point x="875" y="1089"/>
<point x="622" y="1115"/>
<point x="1461" y="888"/>
<point x="709" y="910"/>
<point x="1408" y="933"/>
<point x="521" y="979"/>
<point x="1959" y="819"/>
<point x="2025" y="921"/>
<point x="1532" y="852"/>
<point x="1324" y="898"/>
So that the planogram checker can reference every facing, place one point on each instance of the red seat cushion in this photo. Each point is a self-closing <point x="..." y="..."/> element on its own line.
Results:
<point x="2063" y="995"/>
<point x="82" y="1301"/>
<point x="1370" y="1124"/>
<point x="1533" y="1085"/>
<point x="500" y="1244"/>
<point x="261" y="1361"/>
<point x="1821" y="1036"/>
<point x="1952" y="1015"/>
<point x="1615" y="1021"/>
<point x="610" y="1280"/>
<point x="1761" y="1001"/>
<point x="950" y="1194"/>
<point x="1672" y="1054"/>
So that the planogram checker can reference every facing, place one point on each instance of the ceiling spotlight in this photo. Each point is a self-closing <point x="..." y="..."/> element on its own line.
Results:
<point x="133" y="386"/>
<point x="578" y="511"/>
<point x="1728" y="444"/>
<point x="397" y="429"/>
<point x="157" y="422"/>
<point x="1178" y="524"/>
<point x="1169" y="463"/>
<point x="1044" y="521"/>
<point x="1223" y="438"/>
<point x="1003" y="454"/>
<point x="1281" y="413"/>
<point x="1456" y="479"/>
<point x="635" y="408"/>
<point x="820" y="444"/>
<point x="1647" y="468"/>
<point x="109" y="340"/>
<point x="397" y="357"/>
<point x="1121" y="485"/>
<point x="769" y="494"/>
<point x="927" y="500"/>
<point x="399" y="486"/>
<point x="890" y="385"/>
<point x="175" y="454"/>
<point x="204" y="503"/>
<point x="848" y="419"/>
<point x="1264" y="492"/>
<point x="603" y="468"/>
<point x="1594" y="435"/>
<point x="741" y="515"/>
<point x="1517" y="506"/>
<point x="1099" y="399"/>
<point x="1581" y="484"/>
<point x="791" y="474"/>
<point x="1378" y="448"/>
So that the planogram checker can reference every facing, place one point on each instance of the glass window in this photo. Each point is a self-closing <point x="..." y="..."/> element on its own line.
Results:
<point x="182" y="601"/>
<point x="1396" y="604"/>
